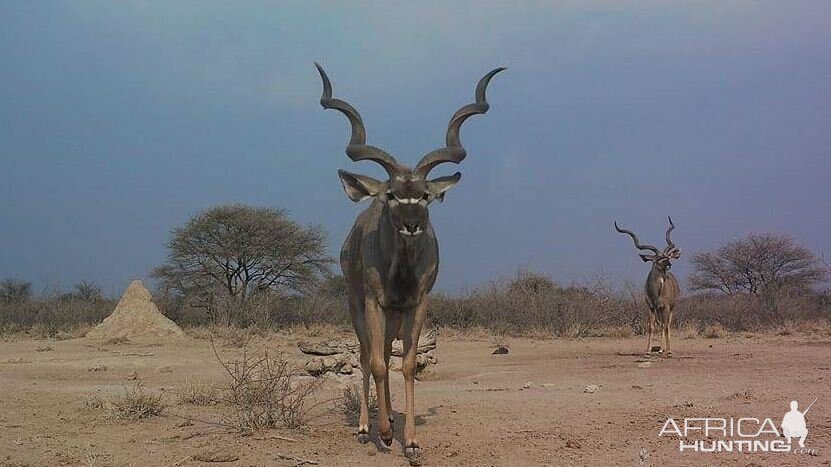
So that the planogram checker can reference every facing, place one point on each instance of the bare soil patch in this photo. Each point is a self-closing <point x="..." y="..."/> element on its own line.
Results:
<point x="528" y="407"/>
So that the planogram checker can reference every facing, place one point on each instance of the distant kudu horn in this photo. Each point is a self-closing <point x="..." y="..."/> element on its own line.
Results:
<point x="670" y="246"/>
<point x="357" y="149"/>
<point x="671" y="250"/>
<point x="638" y="244"/>
<point x="453" y="150"/>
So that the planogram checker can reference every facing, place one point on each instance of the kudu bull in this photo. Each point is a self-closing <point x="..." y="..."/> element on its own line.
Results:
<point x="391" y="257"/>
<point x="661" y="288"/>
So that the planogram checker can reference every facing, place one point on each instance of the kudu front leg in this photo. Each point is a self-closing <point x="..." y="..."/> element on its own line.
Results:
<point x="411" y="330"/>
<point x="376" y="331"/>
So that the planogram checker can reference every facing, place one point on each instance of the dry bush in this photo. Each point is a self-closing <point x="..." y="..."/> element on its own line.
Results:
<point x="58" y="316"/>
<point x="197" y="393"/>
<point x="755" y="313"/>
<point x="263" y="392"/>
<point x="349" y="404"/>
<point x="232" y="336"/>
<point x="135" y="404"/>
<point x="532" y="304"/>
<point x="265" y="311"/>
<point x="714" y="331"/>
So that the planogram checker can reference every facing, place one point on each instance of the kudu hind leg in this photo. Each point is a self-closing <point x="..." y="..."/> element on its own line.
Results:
<point x="668" y="330"/>
<point x="650" y="328"/>
<point x="393" y="328"/>
<point x="363" y="421"/>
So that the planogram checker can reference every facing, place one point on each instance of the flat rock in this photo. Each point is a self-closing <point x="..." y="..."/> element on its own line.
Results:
<point x="426" y="343"/>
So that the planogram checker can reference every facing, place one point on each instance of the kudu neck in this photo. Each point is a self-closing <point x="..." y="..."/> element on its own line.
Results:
<point x="658" y="271"/>
<point x="405" y="249"/>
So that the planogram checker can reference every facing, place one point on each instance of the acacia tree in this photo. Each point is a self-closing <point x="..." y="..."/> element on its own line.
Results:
<point x="759" y="264"/>
<point x="15" y="291"/>
<point x="238" y="251"/>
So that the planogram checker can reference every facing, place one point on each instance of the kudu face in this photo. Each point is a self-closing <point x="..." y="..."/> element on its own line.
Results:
<point x="661" y="259"/>
<point x="407" y="192"/>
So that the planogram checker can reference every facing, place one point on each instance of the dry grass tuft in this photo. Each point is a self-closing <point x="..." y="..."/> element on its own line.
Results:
<point x="198" y="393"/>
<point x="349" y="404"/>
<point x="690" y="330"/>
<point x="135" y="404"/>
<point x="621" y="332"/>
<point x="714" y="331"/>
<point x="93" y="401"/>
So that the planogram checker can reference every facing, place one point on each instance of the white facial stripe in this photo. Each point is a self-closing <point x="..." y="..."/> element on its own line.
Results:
<point x="408" y="200"/>
<point x="410" y="234"/>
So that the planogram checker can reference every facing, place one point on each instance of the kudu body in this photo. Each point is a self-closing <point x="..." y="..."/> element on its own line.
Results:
<point x="391" y="257"/>
<point x="661" y="289"/>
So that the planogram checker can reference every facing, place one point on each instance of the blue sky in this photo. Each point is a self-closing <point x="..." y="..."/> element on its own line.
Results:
<point x="119" y="120"/>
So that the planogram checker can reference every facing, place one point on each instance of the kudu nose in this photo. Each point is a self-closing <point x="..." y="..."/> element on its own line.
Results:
<point x="412" y="228"/>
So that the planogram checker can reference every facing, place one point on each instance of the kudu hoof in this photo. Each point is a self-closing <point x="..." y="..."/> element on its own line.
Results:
<point x="387" y="438"/>
<point x="363" y="435"/>
<point x="412" y="451"/>
<point x="669" y="355"/>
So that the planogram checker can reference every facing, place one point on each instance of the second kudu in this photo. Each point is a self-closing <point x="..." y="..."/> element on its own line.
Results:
<point x="661" y="288"/>
<point x="391" y="257"/>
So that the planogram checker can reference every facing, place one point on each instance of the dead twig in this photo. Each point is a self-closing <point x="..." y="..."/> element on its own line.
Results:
<point x="297" y="459"/>
<point x="132" y="354"/>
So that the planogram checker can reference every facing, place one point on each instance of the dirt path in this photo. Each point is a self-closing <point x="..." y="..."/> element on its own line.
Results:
<point x="475" y="410"/>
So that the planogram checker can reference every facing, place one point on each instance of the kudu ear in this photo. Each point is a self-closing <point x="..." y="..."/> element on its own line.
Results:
<point x="359" y="187"/>
<point x="648" y="258"/>
<point x="438" y="186"/>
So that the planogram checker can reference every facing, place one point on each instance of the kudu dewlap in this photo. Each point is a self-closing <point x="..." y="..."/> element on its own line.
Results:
<point x="390" y="258"/>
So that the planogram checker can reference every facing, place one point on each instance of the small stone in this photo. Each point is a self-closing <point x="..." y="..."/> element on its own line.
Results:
<point x="573" y="444"/>
<point x="644" y="364"/>
<point x="132" y="376"/>
<point x="353" y="361"/>
<point x="591" y="389"/>
<point x="528" y="385"/>
<point x="215" y="456"/>
<point x="500" y="350"/>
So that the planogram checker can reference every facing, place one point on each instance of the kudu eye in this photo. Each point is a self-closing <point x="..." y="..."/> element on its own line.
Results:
<point x="425" y="196"/>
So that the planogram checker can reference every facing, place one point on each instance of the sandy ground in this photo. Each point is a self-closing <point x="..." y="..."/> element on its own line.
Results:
<point x="473" y="411"/>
